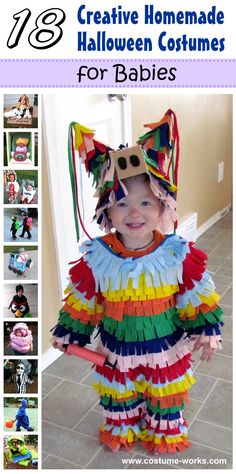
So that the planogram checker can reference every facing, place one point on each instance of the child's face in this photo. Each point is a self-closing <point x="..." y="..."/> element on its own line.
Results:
<point x="28" y="187"/>
<point x="20" y="293"/>
<point x="11" y="177"/>
<point x="20" y="369"/>
<point x="137" y="214"/>
<point x="18" y="333"/>
<point x="15" y="442"/>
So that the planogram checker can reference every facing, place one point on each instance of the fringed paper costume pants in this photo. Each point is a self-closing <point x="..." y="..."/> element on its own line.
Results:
<point x="143" y="398"/>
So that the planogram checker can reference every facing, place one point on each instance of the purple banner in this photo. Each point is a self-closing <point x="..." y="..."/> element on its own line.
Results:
<point x="100" y="73"/>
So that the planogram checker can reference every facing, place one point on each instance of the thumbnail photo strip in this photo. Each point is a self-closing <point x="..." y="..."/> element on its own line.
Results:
<point x="21" y="325"/>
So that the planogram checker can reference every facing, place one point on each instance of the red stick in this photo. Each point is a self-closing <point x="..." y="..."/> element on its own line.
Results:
<point x="91" y="356"/>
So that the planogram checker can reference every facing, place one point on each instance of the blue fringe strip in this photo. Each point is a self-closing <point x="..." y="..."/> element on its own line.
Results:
<point x="203" y="287"/>
<point x="168" y="416"/>
<point x="163" y="266"/>
<point x="82" y="339"/>
<point x="208" y="330"/>
<point x="140" y="347"/>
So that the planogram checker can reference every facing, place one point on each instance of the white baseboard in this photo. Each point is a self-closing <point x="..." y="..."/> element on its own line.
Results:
<point x="50" y="356"/>
<point x="219" y="215"/>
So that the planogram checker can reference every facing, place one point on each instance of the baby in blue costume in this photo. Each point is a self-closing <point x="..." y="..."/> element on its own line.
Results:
<point x="22" y="420"/>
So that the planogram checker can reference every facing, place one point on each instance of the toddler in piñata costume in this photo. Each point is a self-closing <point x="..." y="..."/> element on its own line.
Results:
<point x="146" y="291"/>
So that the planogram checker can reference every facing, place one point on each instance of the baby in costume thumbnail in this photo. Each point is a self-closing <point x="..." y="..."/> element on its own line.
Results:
<point x="21" y="339"/>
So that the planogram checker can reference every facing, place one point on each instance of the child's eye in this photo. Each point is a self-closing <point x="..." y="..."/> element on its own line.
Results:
<point x="121" y="204"/>
<point x="145" y="203"/>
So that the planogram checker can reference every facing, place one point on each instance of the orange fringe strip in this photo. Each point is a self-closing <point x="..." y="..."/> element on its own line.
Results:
<point x="82" y="315"/>
<point x="165" y="447"/>
<point x="169" y="400"/>
<point x="116" y="309"/>
<point x="114" y="442"/>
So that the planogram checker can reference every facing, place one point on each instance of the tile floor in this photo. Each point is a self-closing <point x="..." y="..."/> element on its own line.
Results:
<point x="71" y="414"/>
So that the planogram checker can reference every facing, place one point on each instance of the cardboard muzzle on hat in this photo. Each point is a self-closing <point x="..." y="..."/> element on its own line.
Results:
<point x="129" y="162"/>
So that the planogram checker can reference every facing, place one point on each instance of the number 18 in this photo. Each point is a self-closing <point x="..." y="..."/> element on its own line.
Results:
<point x="47" y="23"/>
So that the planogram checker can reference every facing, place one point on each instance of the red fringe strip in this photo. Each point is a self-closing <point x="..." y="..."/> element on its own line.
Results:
<point x="158" y="375"/>
<point x="83" y="274"/>
<point x="126" y="421"/>
<point x="194" y="266"/>
<point x="133" y="421"/>
<point x="168" y="431"/>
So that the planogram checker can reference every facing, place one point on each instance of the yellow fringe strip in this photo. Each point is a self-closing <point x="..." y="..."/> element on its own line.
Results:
<point x="203" y="308"/>
<point x="76" y="304"/>
<point x="190" y="311"/>
<point x="113" y="392"/>
<point x="143" y="292"/>
<point x="172" y="388"/>
<point x="141" y="387"/>
<point x="144" y="436"/>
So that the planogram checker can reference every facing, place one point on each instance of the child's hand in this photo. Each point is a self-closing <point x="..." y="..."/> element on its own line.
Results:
<point x="58" y="343"/>
<point x="207" y="350"/>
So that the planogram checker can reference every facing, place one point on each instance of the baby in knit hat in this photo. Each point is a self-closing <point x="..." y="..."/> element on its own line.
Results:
<point x="21" y="339"/>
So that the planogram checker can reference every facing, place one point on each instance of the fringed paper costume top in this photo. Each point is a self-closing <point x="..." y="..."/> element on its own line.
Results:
<point x="144" y="305"/>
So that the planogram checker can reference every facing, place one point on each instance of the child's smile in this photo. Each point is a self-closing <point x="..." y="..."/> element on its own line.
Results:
<point x="135" y="226"/>
<point x="136" y="215"/>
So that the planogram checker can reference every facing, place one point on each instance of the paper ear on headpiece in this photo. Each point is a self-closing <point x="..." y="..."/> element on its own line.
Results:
<point x="129" y="161"/>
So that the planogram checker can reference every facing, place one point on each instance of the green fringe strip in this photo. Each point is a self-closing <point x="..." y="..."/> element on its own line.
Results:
<point x="212" y="317"/>
<point x="141" y="328"/>
<point x="155" y="409"/>
<point x="74" y="325"/>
